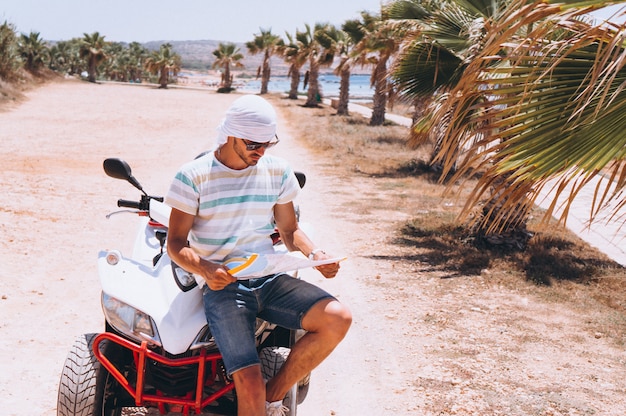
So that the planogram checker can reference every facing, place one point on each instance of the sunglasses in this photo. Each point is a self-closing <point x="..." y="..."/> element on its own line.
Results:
<point x="250" y="145"/>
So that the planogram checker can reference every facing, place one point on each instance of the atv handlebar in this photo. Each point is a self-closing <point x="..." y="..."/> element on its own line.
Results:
<point x="128" y="204"/>
<point x="143" y="205"/>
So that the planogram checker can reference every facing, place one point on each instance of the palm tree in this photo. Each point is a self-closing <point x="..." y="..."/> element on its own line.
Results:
<point x="336" y="42"/>
<point x="127" y="62"/>
<point x="92" y="49"/>
<point x="137" y="54"/>
<point x="350" y="35"/>
<point x="65" y="56"/>
<point x="442" y="43"/>
<point x="379" y="42"/>
<point x="310" y="48"/>
<point x="163" y="62"/>
<point x="268" y="44"/>
<point x="227" y="55"/>
<point x="115" y="66"/>
<point x="319" y="47"/>
<point x="10" y="62"/>
<point x="553" y="117"/>
<point x="343" y="70"/>
<point x="415" y="81"/>
<point x="33" y="50"/>
<point x="59" y="57"/>
<point x="295" y="55"/>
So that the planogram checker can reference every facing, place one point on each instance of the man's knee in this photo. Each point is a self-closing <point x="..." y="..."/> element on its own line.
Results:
<point x="342" y="317"/>
<point x="328" y="316"/>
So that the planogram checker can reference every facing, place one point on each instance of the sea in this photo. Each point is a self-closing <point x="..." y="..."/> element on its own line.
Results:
<point x="329" y="84"/>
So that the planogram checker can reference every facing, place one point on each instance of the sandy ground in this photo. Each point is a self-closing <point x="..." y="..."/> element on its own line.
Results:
<point x="419" y="345"/>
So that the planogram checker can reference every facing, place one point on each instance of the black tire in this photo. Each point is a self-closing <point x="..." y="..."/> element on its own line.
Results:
<point x="86" y="387"/>
<point x="272" y="359"/>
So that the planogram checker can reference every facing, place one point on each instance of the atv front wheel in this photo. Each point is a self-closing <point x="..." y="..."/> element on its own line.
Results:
<point x="86" y="387"/>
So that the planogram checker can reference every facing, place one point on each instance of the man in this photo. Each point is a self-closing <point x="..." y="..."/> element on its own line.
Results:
<point x="225" y="203"/>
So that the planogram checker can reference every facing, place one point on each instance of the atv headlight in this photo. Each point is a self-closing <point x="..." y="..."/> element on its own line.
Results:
<point x="129" y="321"/>
<point x="185" y="280"/>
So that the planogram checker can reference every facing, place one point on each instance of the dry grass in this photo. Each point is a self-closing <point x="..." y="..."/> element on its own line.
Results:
<point x="12" y="93"/>
<point x="349" y="143"/>
<point x="9" y="94"/>
<point x="557" y="265"/>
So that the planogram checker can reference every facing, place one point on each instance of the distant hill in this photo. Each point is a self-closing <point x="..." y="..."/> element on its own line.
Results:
<point x="198" y="55"/>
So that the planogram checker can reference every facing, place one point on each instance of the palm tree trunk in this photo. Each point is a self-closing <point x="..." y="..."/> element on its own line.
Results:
<point x="227" y="79"/>
<point x="295" y="81"/>
<point x="163" y="77"/>
<point x="265" y="74"/>
<point x="313" y="93"/>
<point x="380" y="94"/>
<point x="92" y="70"/>
<point x="344" y="91"/>
<point x="511" y="234"/>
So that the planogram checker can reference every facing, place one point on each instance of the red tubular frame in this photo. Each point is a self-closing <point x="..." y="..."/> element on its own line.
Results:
<point x="142" y="353"/>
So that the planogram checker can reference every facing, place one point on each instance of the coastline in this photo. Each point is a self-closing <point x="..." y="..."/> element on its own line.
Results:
<point x="360" y="89"/>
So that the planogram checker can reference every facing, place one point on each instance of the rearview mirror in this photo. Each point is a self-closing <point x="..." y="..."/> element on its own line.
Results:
<point x="119" y="169"/>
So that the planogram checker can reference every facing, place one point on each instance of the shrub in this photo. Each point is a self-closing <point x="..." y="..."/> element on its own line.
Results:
<point x="10" y="60"/>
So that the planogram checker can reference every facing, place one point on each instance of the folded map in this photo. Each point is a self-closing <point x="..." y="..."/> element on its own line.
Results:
<point x="258" y="265"/>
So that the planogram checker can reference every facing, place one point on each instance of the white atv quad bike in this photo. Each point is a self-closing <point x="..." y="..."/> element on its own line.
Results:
<point x="156" y="350"/>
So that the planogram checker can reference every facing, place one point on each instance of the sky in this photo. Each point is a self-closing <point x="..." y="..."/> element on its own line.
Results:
<point x="153" y="20"/>
<point x="157" y="20"/>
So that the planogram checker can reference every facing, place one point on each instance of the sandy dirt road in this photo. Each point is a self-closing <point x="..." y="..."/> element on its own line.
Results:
<point x="54" y="201"/>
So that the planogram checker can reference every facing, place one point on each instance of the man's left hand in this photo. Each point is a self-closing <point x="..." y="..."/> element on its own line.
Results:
<point x="327" y="270"/>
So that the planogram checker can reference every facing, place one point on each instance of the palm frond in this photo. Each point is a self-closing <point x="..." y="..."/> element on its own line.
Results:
<point x="555" y="110"/>
<point x="423" y="68"/>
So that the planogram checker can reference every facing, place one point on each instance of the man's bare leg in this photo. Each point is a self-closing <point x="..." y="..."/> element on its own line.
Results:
<point x="250" y="391"/>
<point x="326" y="324"/>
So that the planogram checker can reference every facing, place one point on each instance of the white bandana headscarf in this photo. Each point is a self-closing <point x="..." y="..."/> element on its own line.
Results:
<point x="249" y="117"/>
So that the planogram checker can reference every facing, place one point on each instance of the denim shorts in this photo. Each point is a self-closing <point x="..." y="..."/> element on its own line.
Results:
<point x="232" y="312"/>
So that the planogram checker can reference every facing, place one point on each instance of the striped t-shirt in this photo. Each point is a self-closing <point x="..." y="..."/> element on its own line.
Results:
<point x="233" y="209"/>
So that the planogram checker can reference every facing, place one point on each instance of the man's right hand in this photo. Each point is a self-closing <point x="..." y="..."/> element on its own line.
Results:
<point x="216" y="276"/>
